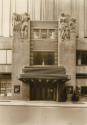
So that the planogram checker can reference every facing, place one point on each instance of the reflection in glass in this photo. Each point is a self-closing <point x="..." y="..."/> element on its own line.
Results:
<point x="52" y="34"/>
<point x="9" y="56"/>
<point x="44" y="33"/>
<point x="36" y="33"/>
<point x="2" y="56"/>
<point x="43" y="58"/>
<point x="5" y="88"/>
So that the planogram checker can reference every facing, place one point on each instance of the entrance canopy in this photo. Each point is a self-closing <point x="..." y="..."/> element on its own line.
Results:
<point x="57" y="73"/>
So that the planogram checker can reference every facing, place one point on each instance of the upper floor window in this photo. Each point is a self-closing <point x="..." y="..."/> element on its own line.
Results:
<point x="81" y="58"/>
<point x="44" y="33"/>
<point x="43" y="58"/>
<point x="5" y="56"/>
<point x="36" y="33"/>
<point x="52" y="33"/>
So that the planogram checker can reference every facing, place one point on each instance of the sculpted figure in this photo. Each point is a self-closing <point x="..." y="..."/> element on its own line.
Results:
<point x="66" y="26"/>
<point x="20" y="23"/>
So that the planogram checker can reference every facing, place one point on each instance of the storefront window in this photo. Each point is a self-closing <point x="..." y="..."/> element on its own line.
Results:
<point x="84" y="90"/>
<point x="5" y="88"/>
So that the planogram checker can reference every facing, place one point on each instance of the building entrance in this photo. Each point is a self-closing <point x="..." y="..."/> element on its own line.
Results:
<point x="43" y="90"/>
<point x="45" y="83"/>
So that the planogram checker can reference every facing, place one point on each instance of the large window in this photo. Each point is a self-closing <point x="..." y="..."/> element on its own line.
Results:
<point x="5" y="87"/>
<point x="43" y="58"/>
<point x="5" y="56"/>
<point x="81" y="58"/>
<point x="84" y="90"/>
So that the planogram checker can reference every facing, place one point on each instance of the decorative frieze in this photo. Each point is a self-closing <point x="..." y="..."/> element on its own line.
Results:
<point x="67" y="25"/>
<point x="20" y="24"/>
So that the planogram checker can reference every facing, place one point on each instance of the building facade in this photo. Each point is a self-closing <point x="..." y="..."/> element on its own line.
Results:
<point x="43" y="56"/>
<point x="43" y="59"/>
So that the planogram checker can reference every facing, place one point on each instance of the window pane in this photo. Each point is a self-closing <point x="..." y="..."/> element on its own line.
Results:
<point x="9" y="56"/>
<point x="52" y="34"/>
<point x="36" y="33"/>
<point x="44" y="58"/>
<point x="81" y="58"/>
<point x="2" y="56"/>
<point x="43" y="33"/>
<point x="84" y="90"/>
<point x="5" y="87"/>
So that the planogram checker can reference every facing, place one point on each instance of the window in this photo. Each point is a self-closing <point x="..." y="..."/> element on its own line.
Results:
<point x="43" y="58"/>
<point x="84" y="90"/>
<point x="52" y="34"/>
<point x="36" y="33"/>
<point x="9" y="56"/>
<point x="44" y="33"/>
<point x="5" y="56"/>
<point x="5" y="87"/>
<point x="2" y="56"/>
<point x="81" y="58"/>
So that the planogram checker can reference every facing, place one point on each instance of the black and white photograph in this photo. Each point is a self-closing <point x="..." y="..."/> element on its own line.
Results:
<point x="43" y="62"/>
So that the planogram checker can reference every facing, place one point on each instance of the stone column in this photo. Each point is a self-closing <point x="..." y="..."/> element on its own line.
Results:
<point x="21" y="52"/>
<point x="67" y="46"/>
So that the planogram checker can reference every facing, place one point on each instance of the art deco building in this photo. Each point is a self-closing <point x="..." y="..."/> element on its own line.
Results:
<point x="43" y="50"/>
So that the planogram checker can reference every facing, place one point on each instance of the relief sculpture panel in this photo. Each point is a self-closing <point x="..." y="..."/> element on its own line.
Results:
<point x="20" y="24"/>
<point x="67" y="25"/>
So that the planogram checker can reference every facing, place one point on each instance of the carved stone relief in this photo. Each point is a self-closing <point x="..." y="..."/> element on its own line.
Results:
<point x="67" y="25"/>
<point x="20" y="24"/>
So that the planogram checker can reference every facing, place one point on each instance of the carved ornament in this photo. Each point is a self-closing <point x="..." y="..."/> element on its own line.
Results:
<point x="20" y="23"/>
<point x="67" y="25"/>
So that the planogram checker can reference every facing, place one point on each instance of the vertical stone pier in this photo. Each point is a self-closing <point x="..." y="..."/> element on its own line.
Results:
<point x="67" y="46"/>
<point x="21" y="53"/>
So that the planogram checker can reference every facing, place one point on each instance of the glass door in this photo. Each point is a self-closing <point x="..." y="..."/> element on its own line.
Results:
<point x="40" y="91"/>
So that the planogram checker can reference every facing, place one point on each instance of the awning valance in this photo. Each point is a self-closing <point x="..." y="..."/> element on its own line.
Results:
<point x="57" y="73"/>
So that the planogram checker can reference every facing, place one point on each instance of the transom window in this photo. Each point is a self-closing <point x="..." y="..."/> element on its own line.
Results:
<point x="44" y="33"/>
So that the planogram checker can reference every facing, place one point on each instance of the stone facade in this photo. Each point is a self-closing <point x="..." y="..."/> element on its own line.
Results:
<point x="21" y="51"/>
<point x="67" y="46"/>
<point x="63" y="44"/>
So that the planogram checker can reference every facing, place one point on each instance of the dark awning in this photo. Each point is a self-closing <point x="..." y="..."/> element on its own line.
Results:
<point x="57" y="73"/>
